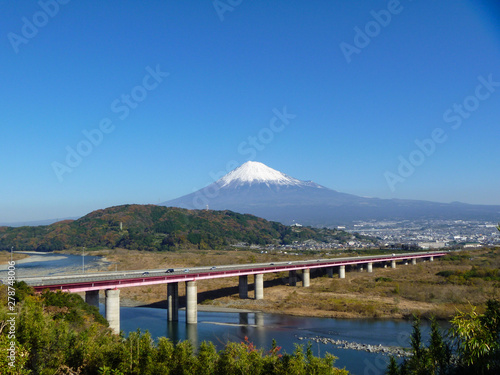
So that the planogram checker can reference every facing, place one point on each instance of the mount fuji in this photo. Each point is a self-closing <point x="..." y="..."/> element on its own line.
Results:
<point x="257" y="189"/>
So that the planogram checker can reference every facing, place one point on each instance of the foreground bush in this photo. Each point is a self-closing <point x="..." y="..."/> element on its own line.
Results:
<point x="57" y="333"/>
<point x="475" y="344"/>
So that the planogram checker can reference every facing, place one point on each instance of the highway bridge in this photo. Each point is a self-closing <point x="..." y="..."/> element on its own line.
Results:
<point x="111" y="282"/>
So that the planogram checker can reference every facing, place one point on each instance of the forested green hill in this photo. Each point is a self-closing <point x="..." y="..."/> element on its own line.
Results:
<point x="150" y="227"/>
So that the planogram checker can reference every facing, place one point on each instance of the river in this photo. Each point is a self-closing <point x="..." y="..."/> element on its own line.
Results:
<point x="260" y="328"/>
<point x="48" y="264"/>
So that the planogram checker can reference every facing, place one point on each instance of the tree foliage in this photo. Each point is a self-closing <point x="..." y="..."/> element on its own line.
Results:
<point x="475" y="343"/>
<point x="57" y="333"/>
<point x="149" y="227"/>
<point x="478" y="340"/>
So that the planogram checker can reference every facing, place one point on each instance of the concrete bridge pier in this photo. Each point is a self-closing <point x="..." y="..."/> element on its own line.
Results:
<point x="329" y="272"/>
<point x="191" y="302"/>
<point x="292" y="278"/>
<point x="369" y="267"/>
<point x="342" y="272"/>
<point x="259" y="286"/>
<point x="92" y="297"/>
<point x="306" y="278"/>
<point x="173" y="302"/>
<point x="393" y="264"/>
<point x="243" y="286"/>
<point x="431" y="259"/>
<point x="414" y="261"/>
<point x="113" y="309"/>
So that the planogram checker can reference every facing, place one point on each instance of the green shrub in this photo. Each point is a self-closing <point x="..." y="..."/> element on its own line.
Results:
<point x="386" y="279"/>
<point x="445" y="273"/>
<point x="58" y="333"/>
<point x="462" y="277"/>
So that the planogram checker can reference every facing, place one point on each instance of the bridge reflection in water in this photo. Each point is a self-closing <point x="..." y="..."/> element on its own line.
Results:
<point x="178" y="332"/>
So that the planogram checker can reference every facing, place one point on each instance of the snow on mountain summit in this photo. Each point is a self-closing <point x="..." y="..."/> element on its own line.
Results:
<point x="254" y="188"/>
<point x="255" y="172"/>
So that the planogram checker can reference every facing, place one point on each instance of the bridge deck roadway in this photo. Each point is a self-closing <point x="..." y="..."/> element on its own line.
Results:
<point x="122" y="279"/>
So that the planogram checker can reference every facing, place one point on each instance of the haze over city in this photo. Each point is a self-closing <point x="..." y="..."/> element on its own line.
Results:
<point x="125" y="102"/>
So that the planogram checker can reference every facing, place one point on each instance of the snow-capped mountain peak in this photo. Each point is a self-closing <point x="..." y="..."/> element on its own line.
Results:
<point x="256" y="189"/>
<point x="255" y="172"/>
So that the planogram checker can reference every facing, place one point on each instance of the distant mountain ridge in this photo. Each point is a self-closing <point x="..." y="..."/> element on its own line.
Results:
<point x="150" y="227"/>
<point x="259" y="190"/>
<point x="33" y="223"/>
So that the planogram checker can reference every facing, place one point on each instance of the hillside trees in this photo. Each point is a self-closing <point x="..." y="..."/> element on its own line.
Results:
<point x="149" y="227"/>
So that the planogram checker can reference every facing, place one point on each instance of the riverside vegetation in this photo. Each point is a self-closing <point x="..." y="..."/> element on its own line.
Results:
<point x="58" y="333"/>
<point x="472" y="346"/>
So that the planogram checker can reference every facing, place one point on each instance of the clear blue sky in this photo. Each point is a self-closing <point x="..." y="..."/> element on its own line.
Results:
<point x="173" y="92"/>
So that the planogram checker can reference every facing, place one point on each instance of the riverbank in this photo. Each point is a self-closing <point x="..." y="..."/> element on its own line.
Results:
<point x="33" y="264"/>
<point x="385" y="293"/>
<point x="5" y="256"/>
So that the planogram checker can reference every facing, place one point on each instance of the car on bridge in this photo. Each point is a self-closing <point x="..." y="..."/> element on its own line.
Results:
<point x="145" y="273"/>
<point x="170" y="270"/>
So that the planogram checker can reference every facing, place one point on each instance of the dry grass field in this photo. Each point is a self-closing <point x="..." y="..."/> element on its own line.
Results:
<point x="385" y="293"/>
